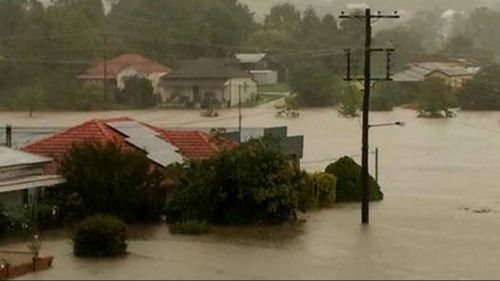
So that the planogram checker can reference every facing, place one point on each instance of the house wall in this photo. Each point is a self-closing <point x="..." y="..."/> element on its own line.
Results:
<point x="225" y="91"/>
<point x="455" y="82"/>
<point x="232" y="87"/>
<point x="125" y="73"/>
<point x="265" y="77"/>
<point x="171" y="90"/>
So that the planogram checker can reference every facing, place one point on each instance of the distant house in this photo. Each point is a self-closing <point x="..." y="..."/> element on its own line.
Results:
<point x="257" y="65"/>
<point x="453" y="77"/>
<point x="122" y="67"/>
<point x="253" y="61"/>
<point x="452" y="73"/>
<point x="195" y="81"/>
<point x="22" y="177"/>
<point x="161" y="146"/>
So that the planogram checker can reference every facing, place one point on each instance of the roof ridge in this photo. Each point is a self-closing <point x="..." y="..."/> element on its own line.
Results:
<point x="71" y="129"/>
<point x="203" y="135"/>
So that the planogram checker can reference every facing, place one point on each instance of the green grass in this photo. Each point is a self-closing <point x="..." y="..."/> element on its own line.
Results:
<point x="262" y="99"/>
<point x="276" y="88"/>
<point x="190" y="228"/>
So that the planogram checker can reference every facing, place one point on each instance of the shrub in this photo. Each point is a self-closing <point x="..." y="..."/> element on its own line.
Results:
<point x="348" y="174"/>
<point x="100" y="236"/>
<point x="105" y="178"/>
<point x="254" y="183"/>
<point x="190" y="228"/>
<point x="138" y="93"/>
<point x="317" y="190"/>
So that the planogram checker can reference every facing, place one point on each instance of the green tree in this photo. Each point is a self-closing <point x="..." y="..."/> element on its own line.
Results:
<point x="483" y="92"/>
<point x="29" y="98"/>
<point x="254" y="183"/>
<point x="481" y="27"/>
<point x="283" y="17"/>
<point x="109" y="179"/>
<point x="353" y="30"/>
<point x="350" y="100"/>
<point x="428" y="26"/>
<point x="313" y="84"/>
<point x="309" y="31"/>
<point x="138" y="92"/>
<point x="435" y="99"/>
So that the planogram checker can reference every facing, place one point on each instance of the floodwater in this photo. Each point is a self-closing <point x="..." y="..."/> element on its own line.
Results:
<point x="440" y="218"/>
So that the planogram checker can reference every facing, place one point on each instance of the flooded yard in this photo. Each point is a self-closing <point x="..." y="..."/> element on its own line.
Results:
<point x="440" y="218"/>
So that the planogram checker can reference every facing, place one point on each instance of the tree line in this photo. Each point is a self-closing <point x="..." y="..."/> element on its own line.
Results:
<point x="43" y="49"/>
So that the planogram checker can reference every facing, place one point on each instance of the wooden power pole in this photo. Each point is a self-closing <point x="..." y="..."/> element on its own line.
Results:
<point x="367" y="79"/>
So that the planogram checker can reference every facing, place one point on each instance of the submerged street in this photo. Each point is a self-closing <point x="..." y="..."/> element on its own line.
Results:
<point x="440" y="217"/>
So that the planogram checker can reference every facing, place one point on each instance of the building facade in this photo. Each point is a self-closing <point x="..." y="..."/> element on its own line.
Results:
<point x="196" y="82"/>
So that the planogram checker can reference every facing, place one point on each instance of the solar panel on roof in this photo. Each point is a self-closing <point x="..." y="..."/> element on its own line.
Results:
<point x="151" y="144"/>
<point x="144" y="138"/>
<point x="165" y="159"/>
<point x="132" y="128"/>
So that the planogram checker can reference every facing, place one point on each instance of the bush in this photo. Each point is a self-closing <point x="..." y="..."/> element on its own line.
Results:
<point x="350" y="101"/>
<point x="137" y="93"/>
<point x="348" y="174"/>
<point x="105" y="178"/>
<point x="100" y="236"/>
<point x="317" y="190"/>
<point x="254" y="183"/>
<point x="190" y="228"/>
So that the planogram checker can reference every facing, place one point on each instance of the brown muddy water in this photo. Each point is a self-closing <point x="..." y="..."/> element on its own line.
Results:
<point x="440" y="218"/>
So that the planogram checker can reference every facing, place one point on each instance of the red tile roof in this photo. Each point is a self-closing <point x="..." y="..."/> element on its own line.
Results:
<point x="114" y="66"/>
<point x="191" y="144"/>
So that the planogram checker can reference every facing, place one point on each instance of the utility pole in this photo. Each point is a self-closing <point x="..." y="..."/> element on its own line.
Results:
<point x="367" y="79"/>
<point x="105" y="58"/>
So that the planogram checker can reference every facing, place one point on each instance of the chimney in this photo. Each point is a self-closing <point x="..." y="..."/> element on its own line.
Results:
<point x="8" y="136"/>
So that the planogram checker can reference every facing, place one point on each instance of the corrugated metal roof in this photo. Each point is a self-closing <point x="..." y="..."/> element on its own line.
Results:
<point x="250" y="58"/>
<point x="10" y="158"/>
<point x="417" y="72"/>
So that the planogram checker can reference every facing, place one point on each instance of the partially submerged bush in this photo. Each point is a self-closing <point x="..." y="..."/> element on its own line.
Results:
<point x="317" y="190"/>
<point x="348" y="174"/>
<point x="190" y="228"/>
<point x="100" y="236"/>
<point x="254" y="183"/>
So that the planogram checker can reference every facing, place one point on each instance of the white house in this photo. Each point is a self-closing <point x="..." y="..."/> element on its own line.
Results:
<point x="117" y="70"/>
<point x="195" y="81"/>
<point x="22" y="177"/>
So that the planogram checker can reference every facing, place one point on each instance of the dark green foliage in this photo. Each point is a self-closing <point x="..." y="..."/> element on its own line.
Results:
<point x="254" y="183"/>
<point x="348" y="174"/>
<point x="436" y="99"/>
<point x="100" y="236"/>
<point x="138" y="93"/>
<point x="483" y="92"/>
<point x="313" y="84"/>
<point x="15" y="222"/>
<point x="105" y="178"/>
<point x="317" y="190"/>
<point x="350" y="101"/>
<point x="190" y="228"/>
